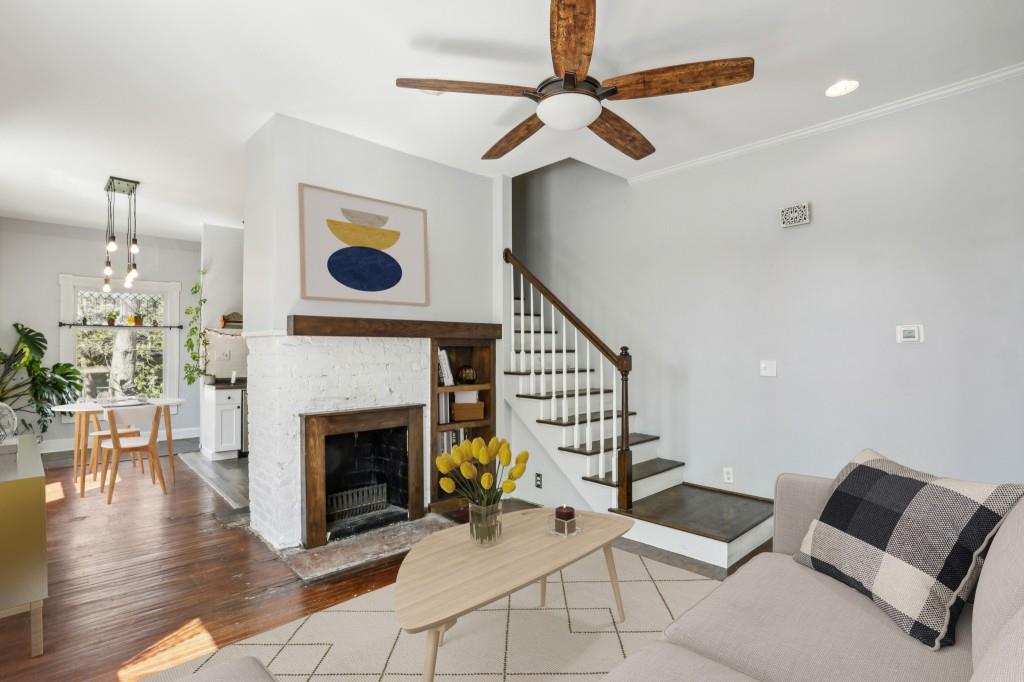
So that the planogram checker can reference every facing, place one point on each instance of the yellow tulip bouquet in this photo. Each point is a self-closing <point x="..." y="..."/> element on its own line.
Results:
<point x="482" y="472"/>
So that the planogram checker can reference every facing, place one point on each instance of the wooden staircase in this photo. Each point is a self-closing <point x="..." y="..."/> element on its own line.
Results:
<point x="572" y="391"/>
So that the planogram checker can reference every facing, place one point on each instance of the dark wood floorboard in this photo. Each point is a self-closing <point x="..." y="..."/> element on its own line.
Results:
<point x="712" y="513"/>
<point x="152" y="581"/>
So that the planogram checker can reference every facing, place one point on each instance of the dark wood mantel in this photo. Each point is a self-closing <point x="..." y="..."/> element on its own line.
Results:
<point x="323" y="325"/>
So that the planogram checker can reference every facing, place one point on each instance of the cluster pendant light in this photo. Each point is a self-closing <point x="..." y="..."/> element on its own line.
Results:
<point x="114" y="187"/>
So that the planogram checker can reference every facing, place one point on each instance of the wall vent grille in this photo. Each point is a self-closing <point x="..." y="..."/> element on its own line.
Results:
<point x="797" y="214"/>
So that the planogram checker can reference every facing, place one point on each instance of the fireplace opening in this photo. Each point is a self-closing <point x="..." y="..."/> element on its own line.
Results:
<point x="366" y="475"/>
<point x="363" y="469"/>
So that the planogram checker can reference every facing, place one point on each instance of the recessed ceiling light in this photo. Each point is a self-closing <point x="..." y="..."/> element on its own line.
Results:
<point x="840" y="88"/>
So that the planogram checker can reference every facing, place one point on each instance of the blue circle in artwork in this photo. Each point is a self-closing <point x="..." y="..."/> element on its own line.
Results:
<point x="364" y="269"/>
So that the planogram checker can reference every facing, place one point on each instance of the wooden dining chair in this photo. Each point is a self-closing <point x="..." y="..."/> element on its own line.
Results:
<point x="119" y="443"/>
<point x="98" y="433"/>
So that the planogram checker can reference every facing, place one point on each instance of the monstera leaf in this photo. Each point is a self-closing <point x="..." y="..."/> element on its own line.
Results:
<point x="31" y="345"/>
<point x="28" y="385"/>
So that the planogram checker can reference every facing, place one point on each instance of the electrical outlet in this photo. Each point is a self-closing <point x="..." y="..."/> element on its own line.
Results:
<point x="225" y="355"/>
<point x="538" y="480"/>
<point x="727" y="475"/>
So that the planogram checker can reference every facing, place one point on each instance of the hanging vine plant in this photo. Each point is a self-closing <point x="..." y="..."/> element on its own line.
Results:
<point x="195" y="339"/>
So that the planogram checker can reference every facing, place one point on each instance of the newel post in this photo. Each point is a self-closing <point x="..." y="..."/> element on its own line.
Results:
<point x="625" y="455"/>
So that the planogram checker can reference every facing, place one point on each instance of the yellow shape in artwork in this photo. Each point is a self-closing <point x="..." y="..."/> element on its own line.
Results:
<point x="355" y="234"/>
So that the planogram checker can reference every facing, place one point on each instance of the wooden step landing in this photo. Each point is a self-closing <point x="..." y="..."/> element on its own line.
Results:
<point x="573" y="420"/>
<point x="651" y="467"/>
<point x="558" y="395"/>
<point x="527" y="373"/>
<point x="608" y="446"/>
<point x="535" y="331"/>
<point x="709" y="512"/>
<point x="546" y="350"/>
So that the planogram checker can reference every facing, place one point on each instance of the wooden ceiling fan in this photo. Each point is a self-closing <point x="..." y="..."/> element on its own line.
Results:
<point x="572" y="98"/>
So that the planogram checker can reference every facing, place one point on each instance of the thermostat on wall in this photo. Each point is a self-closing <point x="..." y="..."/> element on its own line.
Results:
<point x="910" y="333"/>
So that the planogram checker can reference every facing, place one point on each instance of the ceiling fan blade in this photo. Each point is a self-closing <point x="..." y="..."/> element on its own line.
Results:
<point x="614" y="130"/>
<point x="514" y="137"/>
<point x="670" y="80"/>
<point x="463" y="86"/>
<point x="572" y="36"/>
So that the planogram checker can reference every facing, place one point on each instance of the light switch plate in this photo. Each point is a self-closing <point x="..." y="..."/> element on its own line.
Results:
<point x="910" y="333"/>
<point x="768" y="368"/>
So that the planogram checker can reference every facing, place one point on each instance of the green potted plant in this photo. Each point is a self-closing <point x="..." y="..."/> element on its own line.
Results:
<point x="195" y="337"/>
<point x="28" y="386"/>
<point x="111" y="318"/>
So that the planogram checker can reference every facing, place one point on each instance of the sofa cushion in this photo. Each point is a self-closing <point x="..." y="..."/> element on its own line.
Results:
<point x="776" y="620"/>
<point x="908" y="540"/>
<point x="1000" y="592"/>
<point x="1004" y="660"/>
<point x="667" y="662"/>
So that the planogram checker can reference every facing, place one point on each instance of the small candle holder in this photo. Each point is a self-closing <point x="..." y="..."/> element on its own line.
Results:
<point x="565" y="521"/>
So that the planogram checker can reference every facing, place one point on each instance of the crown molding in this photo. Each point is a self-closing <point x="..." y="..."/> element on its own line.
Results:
<point x="1005" y="73"/>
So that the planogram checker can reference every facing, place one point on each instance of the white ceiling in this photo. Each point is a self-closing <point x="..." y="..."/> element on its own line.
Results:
<point x="167" y="93"/>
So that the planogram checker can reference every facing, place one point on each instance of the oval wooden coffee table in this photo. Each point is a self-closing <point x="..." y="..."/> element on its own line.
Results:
<point x="428" y="599"/>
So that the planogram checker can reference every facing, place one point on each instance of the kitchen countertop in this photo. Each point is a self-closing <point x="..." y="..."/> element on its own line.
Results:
<point x="220" y="384"/>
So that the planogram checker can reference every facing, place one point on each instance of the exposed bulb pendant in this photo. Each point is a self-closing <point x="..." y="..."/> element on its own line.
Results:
<point x="106" y="285"/>
<point x="127" y="187"/>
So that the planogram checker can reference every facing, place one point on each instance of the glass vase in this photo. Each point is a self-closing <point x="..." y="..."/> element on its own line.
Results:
<point x="485" y="523"/>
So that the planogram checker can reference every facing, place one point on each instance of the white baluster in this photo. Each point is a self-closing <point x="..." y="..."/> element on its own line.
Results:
<point x="554" y="364"/>
<point x="588" y="439"/>
<point x="512" y="318"/>
<point x="543" y="377"/>
<point x="533" y="340"/>
<point x="565" y="372"/>
<point x="522" y="326"/>
<point x="600" y="409"/>
<point x="576" y="390"/>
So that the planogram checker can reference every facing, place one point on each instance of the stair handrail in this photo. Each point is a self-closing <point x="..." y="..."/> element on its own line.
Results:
<point x="622" y="361"/>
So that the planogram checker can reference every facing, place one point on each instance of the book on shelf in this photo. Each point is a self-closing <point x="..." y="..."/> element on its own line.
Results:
<point x="444" y="368"/>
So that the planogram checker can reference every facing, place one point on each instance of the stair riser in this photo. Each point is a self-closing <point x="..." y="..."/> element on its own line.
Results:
<point x="548" y="341"/>
<point x="542" y="361"/>
<point x="571" y="380"/>
<point x="655" y="484"/>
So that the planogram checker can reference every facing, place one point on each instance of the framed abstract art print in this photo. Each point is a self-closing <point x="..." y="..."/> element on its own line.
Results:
<point x="354" y="248"/>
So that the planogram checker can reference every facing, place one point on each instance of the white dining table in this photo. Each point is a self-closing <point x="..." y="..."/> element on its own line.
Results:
<point x="82" y="412"/>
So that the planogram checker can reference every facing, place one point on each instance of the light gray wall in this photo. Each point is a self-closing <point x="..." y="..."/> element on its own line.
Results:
<point x="918" y="217"/>
<point x="33" y="255"/>
<point x="286" y="152"/>
<point x="222" y="261"/>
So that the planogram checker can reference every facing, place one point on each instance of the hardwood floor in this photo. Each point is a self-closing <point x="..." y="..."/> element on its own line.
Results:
<point x="152" y="580"/>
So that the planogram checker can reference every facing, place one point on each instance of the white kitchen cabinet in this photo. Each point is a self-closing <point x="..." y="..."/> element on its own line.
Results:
<point x="221" y="422"/>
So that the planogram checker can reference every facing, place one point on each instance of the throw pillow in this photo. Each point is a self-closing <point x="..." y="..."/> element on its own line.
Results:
<point x="909" y="540"/>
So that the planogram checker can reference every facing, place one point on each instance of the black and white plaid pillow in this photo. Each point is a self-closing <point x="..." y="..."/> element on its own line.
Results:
<point x="910" y="541"/>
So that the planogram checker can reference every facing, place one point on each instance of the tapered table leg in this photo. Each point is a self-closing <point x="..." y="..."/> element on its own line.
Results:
<point x="83" y="447"/>
<point x="74" y="450"/>
<point x="170" y="442"/>
<point x="543" y="591"/>
<point x="444" y="629"/>
<point x="613" y="577"/>
<point x="430" y="661"/>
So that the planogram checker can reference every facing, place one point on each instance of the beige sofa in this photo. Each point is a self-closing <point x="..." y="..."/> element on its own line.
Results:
<point x="775" y="620"/>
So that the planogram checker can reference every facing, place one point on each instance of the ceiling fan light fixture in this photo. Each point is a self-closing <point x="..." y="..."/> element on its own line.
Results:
<point x="569" y="110"/>
<point x="841" y="87"/>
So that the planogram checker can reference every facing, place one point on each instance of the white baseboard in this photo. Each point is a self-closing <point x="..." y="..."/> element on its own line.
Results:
<point x="66" y="444"/>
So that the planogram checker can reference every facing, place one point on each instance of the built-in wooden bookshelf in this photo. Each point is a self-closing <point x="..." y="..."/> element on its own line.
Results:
<point x="480" y="355"/>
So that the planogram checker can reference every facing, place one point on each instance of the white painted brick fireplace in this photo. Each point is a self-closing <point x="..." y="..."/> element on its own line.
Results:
<point x="290" y="375"/>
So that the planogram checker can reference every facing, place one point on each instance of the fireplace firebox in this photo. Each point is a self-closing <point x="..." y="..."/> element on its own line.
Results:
<point x="363" y="469"/>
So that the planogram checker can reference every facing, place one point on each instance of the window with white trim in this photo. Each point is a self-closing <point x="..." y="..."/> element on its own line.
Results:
<point x="135" y="355"/>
